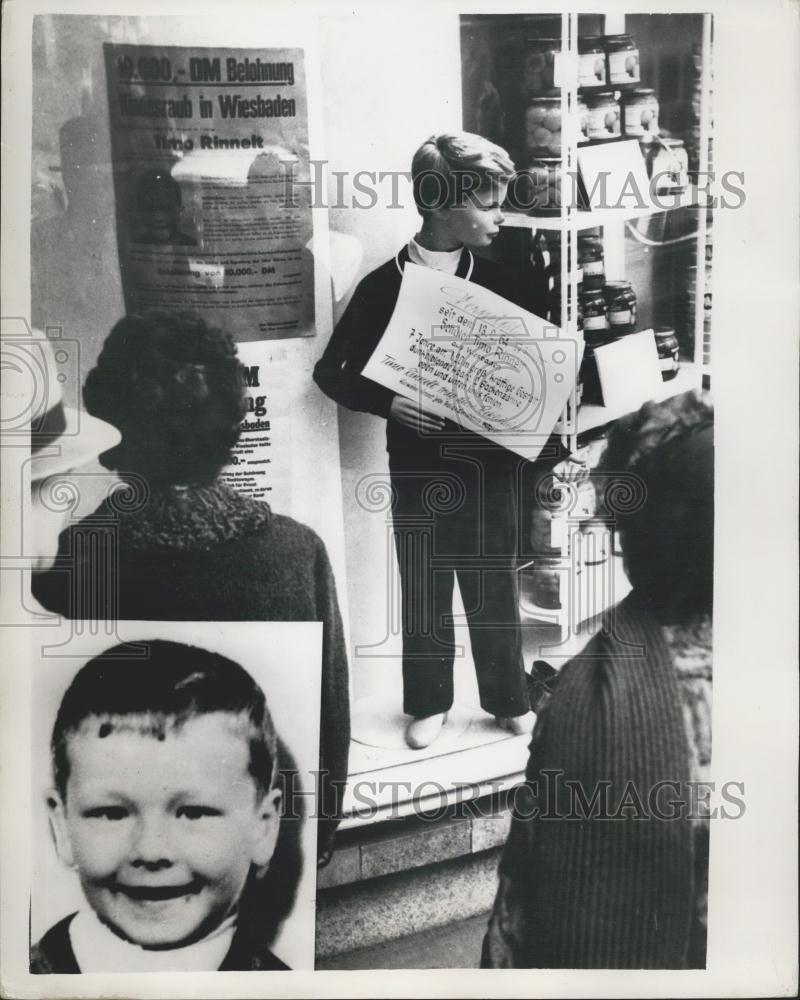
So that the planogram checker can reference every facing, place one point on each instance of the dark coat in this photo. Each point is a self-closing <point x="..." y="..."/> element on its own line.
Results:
<point x="53" y="954"/>
<point x="582" y="891"/>
<point x="209" y="554"/>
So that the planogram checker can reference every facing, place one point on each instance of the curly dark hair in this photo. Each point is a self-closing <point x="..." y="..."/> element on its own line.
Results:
<point x="663" y="457"/>
<point x="174" y="387"/>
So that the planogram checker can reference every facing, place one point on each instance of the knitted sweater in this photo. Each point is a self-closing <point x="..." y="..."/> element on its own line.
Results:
<point x="206" y="553"/>
<point x="577" y="890"/>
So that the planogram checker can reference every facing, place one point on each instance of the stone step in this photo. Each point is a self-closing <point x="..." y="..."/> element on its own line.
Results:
<point x="456" y="945"/>
<point x="375" y="911"/>
<point x="379" y="849"/>
<point x="389" y="880"/>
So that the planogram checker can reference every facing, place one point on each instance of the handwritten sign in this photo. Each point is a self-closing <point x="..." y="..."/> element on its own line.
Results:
<point x="467" y="354"/>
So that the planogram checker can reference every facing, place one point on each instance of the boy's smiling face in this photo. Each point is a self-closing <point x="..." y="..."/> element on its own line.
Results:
<point x="163" y="832"/>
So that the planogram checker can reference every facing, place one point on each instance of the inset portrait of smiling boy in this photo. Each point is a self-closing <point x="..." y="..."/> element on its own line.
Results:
<point x="164" y="802"/>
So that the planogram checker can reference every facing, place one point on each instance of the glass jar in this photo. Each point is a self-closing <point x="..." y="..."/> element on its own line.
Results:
<point x="640" y="114"/>
<point x="668" y="352"/>
<point x="622" y="59"/>
<point x="541" y="66"/>
<point x="591" y="61"/>
<point x="591" y="260"/>
<point x="668" y="166"/>
<point x="537" y="187"/>
<point x="603" y="117"/>
<point x="621" y="302"/>
<point x="542" y="128"/>
<point x="545" y="584"/>
<point x="595" y="314"/>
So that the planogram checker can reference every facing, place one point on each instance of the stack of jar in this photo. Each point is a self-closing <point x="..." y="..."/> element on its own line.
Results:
<point x="604" y="116"/>
<point x="609" y="313"/>
<point x="560" y="517"/>
<point x="541" y="153"/>
<point x="610" y="107"/>
<point x="604" y="61"/>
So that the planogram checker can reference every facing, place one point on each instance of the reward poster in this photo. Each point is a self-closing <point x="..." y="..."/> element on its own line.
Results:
<point x="210" y="152"/>
<point x="261" y="463"/>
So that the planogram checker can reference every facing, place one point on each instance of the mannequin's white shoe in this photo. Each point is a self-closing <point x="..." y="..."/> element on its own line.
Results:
<point x="517" y="724"/>
<point x="422" y="732"/>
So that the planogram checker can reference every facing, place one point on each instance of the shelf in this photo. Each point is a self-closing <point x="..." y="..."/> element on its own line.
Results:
<point x="591" y="416"/>
<point x="472" y="758"/>
<point x="577" y="220"/>
<point x="592" y="590"/>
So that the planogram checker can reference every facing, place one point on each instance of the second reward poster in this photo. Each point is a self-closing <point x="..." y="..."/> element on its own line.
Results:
<point x="210" y="153"/>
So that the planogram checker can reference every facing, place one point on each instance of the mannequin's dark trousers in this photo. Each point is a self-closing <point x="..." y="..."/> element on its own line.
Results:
<point x="456" y="514"/>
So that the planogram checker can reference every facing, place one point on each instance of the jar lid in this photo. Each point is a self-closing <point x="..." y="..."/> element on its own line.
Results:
<point x="669" y="141"/>
<point x="640" y="92"/>
<point x="548" y="99"/>
<point x="592" y="293"/>
<point x="663" y="332"/>
<point x="622" y="37"/>
<point x="590" y="43"/>
<point x="604" y="97"/>
<point x="618" y="286"/>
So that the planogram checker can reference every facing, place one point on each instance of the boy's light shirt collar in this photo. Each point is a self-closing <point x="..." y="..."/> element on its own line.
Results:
<point x="439" y="260"/>
<point x="98" y="949"/>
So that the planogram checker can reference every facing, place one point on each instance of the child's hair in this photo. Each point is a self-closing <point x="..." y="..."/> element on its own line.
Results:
<point x="159" y="694"/>
<point x="447" y="168"/>
<point x="174" y="387"/>
<point x="657" y="481"/>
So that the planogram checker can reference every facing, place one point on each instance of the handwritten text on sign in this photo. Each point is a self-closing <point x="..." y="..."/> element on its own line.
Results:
<point x="470" y="355"/>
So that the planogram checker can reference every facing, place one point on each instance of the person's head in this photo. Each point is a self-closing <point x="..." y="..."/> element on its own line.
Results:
<point x="157" y="206"/>
<point x="164" y="794"/>
<point x="665" y="514"/>
<point x="175" y="388"/>
<point x="460" y="184"/>
<point x="62" y="438"/>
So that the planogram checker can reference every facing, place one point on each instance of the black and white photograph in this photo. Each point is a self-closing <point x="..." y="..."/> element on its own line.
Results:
<point x="174" y="819"/>
<point x="399" y="550"/>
